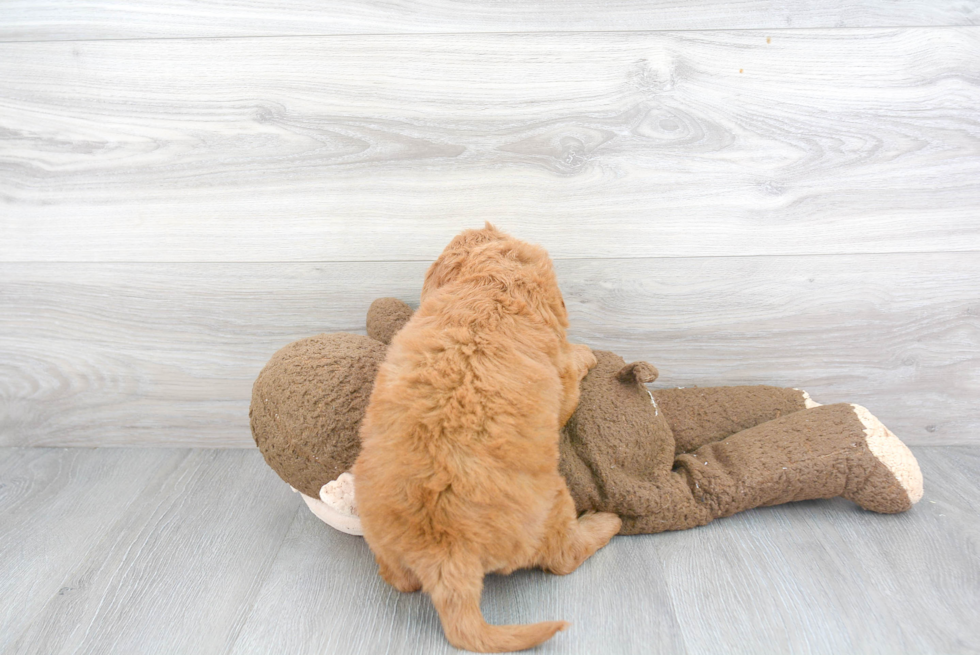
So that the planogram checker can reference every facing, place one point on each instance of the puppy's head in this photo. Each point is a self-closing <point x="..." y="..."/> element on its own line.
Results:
<point x="523" y="269"/>
<point x="458" y="256"/>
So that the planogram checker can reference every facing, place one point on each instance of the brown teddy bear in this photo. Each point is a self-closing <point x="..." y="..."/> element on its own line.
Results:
<point x="666" y="459"/>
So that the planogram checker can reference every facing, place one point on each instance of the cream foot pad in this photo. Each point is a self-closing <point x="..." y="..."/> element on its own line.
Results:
<point x="890" y="451"/>
<point x="336" y="506"/>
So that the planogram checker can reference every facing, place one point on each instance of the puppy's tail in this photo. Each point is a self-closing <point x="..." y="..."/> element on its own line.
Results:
<point x="455" y="590"/>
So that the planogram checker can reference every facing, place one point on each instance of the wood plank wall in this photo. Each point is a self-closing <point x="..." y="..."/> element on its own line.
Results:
<point x="734" y="200"/>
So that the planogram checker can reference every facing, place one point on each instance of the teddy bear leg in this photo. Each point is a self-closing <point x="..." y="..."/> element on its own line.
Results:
<point x="702" y="415"/>
<point x="668" y="502"/>
<point x="822" y="452"/>
<point x="879" y="491"/>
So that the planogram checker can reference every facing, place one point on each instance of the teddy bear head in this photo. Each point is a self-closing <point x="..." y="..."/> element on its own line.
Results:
<point x="309" y="399"/>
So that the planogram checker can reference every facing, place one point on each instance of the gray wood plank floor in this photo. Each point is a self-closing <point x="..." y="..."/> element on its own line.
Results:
<point x="203" y="551"/>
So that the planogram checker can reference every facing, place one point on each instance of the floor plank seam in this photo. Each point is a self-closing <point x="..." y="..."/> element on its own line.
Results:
<point x="246" y="616"/>
<point x="114" y="262"/>
<point x="674" y="608"/>
<point x="385" y="35"/>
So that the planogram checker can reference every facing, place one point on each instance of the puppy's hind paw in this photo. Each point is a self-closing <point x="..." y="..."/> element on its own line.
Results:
<point x="602" y="526"/>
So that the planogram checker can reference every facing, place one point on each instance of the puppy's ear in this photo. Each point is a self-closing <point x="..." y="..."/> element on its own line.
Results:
<point x="442" y="271"/>
<point x="450" y="263"/>
<point x="638" y="372"/>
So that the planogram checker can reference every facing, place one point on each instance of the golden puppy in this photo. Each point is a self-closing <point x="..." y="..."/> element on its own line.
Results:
<point x="458" y="470"/>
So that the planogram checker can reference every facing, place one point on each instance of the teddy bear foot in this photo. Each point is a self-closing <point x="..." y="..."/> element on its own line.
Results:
<point x="808" y="402"/>
<point x="895" y="483"/>
<point x="336" y="506"/>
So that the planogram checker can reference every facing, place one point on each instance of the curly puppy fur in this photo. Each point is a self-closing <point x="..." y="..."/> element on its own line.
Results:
<point x="458" y="471"/>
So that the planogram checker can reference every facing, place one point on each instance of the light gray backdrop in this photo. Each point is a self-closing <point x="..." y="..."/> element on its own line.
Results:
<point x="798" y="207"/>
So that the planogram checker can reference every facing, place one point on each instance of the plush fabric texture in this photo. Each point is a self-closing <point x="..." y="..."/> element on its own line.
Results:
<point x="307" y="406"/>
<point x="702" y="415"/>
<point x="615" y="438"/>
<point x="816" y="453"/>
<point x="385" y="317"/>
<point x="667" y="459"/>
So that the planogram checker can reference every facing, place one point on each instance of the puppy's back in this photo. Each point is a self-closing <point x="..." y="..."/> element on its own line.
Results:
<point x="459" y="440"/>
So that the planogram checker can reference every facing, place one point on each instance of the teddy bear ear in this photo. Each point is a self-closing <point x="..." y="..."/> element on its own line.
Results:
<point x="385" y="317"/>
<point x="638" y="372"/>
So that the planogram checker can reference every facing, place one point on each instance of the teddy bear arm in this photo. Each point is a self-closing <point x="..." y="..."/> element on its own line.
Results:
<point x="702" y="415"/>
<point x="822" y="452"/>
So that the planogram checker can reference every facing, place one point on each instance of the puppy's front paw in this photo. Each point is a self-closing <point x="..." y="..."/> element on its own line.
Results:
<point x="602" y="525"/>
<point x="586" y="359"/>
